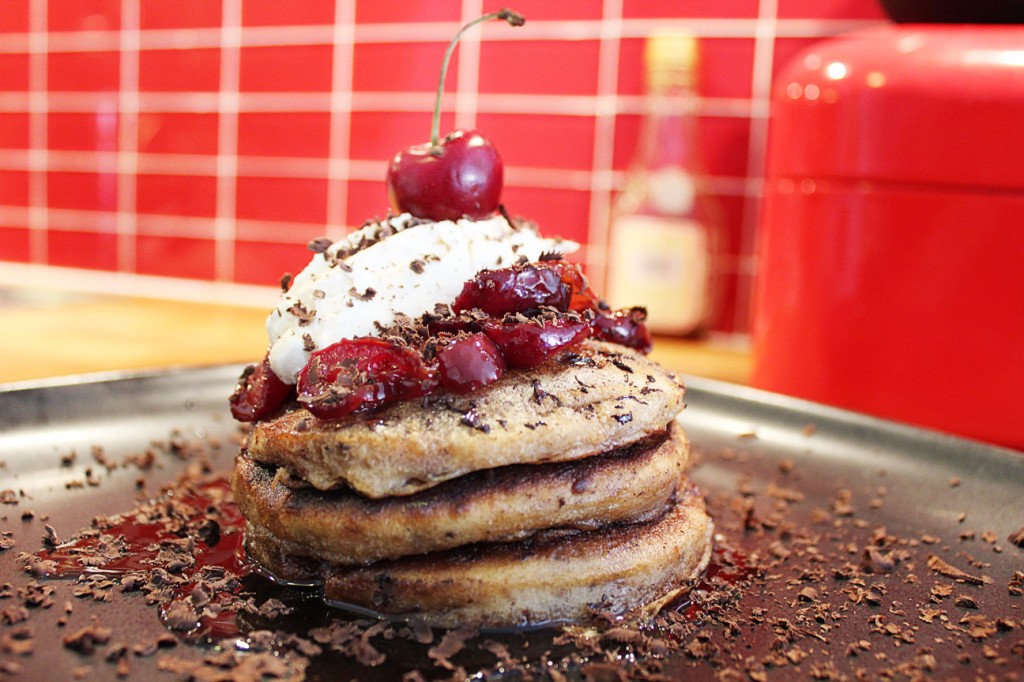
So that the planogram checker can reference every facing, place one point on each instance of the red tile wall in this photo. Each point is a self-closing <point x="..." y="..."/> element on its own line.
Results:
<point x="206" y="140"/>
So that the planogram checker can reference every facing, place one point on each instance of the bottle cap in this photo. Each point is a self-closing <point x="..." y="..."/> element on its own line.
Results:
<point x="671" y="59"/>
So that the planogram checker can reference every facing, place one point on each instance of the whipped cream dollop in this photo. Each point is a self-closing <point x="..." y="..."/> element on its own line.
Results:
<point x="399" y="267"/>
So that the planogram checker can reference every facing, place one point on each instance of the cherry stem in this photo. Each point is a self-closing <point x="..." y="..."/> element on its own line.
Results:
<point x="511" y="16"/>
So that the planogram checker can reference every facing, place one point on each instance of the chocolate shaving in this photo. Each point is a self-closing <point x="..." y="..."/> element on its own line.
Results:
<point x="303" y="315"/>
<point x="451" y="644"/>
<point x="84" y="640"/>
<point x="319" y="245"/>
<point x="1016" y="584"/>
<point x="472" y="420"/>
<point x="364" y="296"/>
<point x="939" y="566"/>
<point x="539" y="394"/>
<point x="622" y="365"/>
<point x="1017" y="537"/>
<point x="50" y="539"/>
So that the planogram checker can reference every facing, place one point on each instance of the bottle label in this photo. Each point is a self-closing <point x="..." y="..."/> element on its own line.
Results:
<point x="661" y="263"/>
<point x="671" y="190"/>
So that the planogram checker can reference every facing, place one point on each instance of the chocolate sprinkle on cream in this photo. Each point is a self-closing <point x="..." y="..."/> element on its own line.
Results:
<point x="304" y="316"/>
<point x="364" y="296"/>
<point x="319" y="245"/>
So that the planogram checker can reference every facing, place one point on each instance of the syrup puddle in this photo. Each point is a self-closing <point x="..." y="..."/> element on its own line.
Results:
<point x="182" y="549"/>
<point x="185" y="552"/>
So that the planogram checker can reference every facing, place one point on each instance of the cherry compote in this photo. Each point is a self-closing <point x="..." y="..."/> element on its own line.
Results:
<point x="518" y="289"/>
<point x="509" y="317"/>
<point x="624" y="327"/>
<point x="469" y="362"/>
<point x="259" y="393"/>
<point x="362" y="374"/>
<point x="528" y="344"/>
<point x="184" y="552"/>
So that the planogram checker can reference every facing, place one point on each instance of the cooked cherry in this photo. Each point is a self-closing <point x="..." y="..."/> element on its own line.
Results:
<point x="624" y="327"/>
<point x="469" y="362"/>
<point x="517" y="289"/>
<point x="583" y="297"/>
<point x="258" y="394"/>
<point x="528" y="344"/>
<point x="361" y="374"/>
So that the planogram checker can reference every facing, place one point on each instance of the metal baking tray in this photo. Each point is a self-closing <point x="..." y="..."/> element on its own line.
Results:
<point x="939" y="496"/>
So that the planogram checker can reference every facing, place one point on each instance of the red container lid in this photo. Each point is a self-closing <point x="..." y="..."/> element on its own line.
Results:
<point x="918" y="104"/>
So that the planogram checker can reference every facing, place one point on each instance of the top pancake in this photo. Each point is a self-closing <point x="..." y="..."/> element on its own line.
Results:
<point x="580" y="404"/>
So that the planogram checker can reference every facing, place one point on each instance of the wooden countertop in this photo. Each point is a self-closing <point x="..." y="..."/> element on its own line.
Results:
<point x="57" y="333"/>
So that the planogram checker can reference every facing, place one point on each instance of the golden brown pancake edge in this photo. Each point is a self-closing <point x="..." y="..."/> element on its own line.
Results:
<point x="581" y="404"/>
<point x="495" y="505"/>
<point x="555" y="577"/>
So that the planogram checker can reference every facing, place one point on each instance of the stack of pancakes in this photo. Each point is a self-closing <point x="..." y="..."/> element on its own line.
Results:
<point x="548" y="495"/>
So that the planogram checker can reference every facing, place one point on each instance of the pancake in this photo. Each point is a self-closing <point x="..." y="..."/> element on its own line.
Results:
<point x="552" y="577"/>
<point x="496" y="505"/>
<point x="577" y="405"/>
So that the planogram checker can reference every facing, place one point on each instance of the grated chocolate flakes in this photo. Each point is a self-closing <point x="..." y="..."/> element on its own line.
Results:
<point x="801" y="586"/>
<point x="1017" y="537"/>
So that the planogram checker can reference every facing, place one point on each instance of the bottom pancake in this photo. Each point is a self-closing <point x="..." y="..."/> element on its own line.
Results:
<point x="552" y="577"/>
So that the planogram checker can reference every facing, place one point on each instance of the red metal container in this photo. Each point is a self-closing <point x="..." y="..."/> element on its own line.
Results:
<point x="891" y="261"/>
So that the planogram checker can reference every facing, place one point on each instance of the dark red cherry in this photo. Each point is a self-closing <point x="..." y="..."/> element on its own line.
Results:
<point x="460" y="177"/>
<point x="362" y="374"/>
<point x="469" y="362"/>
<point x="517" y="289"/>
<point x="259" y="393"/>
<point x="528" y="344"/>
<point x="624" y="327"/>
<point x="583" y="297"/>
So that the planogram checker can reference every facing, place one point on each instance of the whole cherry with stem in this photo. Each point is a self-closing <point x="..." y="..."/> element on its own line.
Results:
<point x="458" y="177"/>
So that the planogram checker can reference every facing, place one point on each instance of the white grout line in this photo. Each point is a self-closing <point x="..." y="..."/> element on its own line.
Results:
<point x="127" y="118"/>
<point x="174" y="226"/>
<point x="38" y="218"/>
<point x="341" y="117"/>
<point x="764" y="56"/>
<point x="602" y="159"/>
<point x="315" y="168"/>
<point x="102" y="222"/>
<point x="227" y="140"/>
<point x="175" y="164"/>
<point x="439" y="32"/>
<point x="467" y="77"/>
<point x="385" y="102"/>
<point x="15" y="216"/>
<point x="285" y="167"/>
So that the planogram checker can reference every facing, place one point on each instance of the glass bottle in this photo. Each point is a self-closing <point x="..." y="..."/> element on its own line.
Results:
<point x="663" y="234"/>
